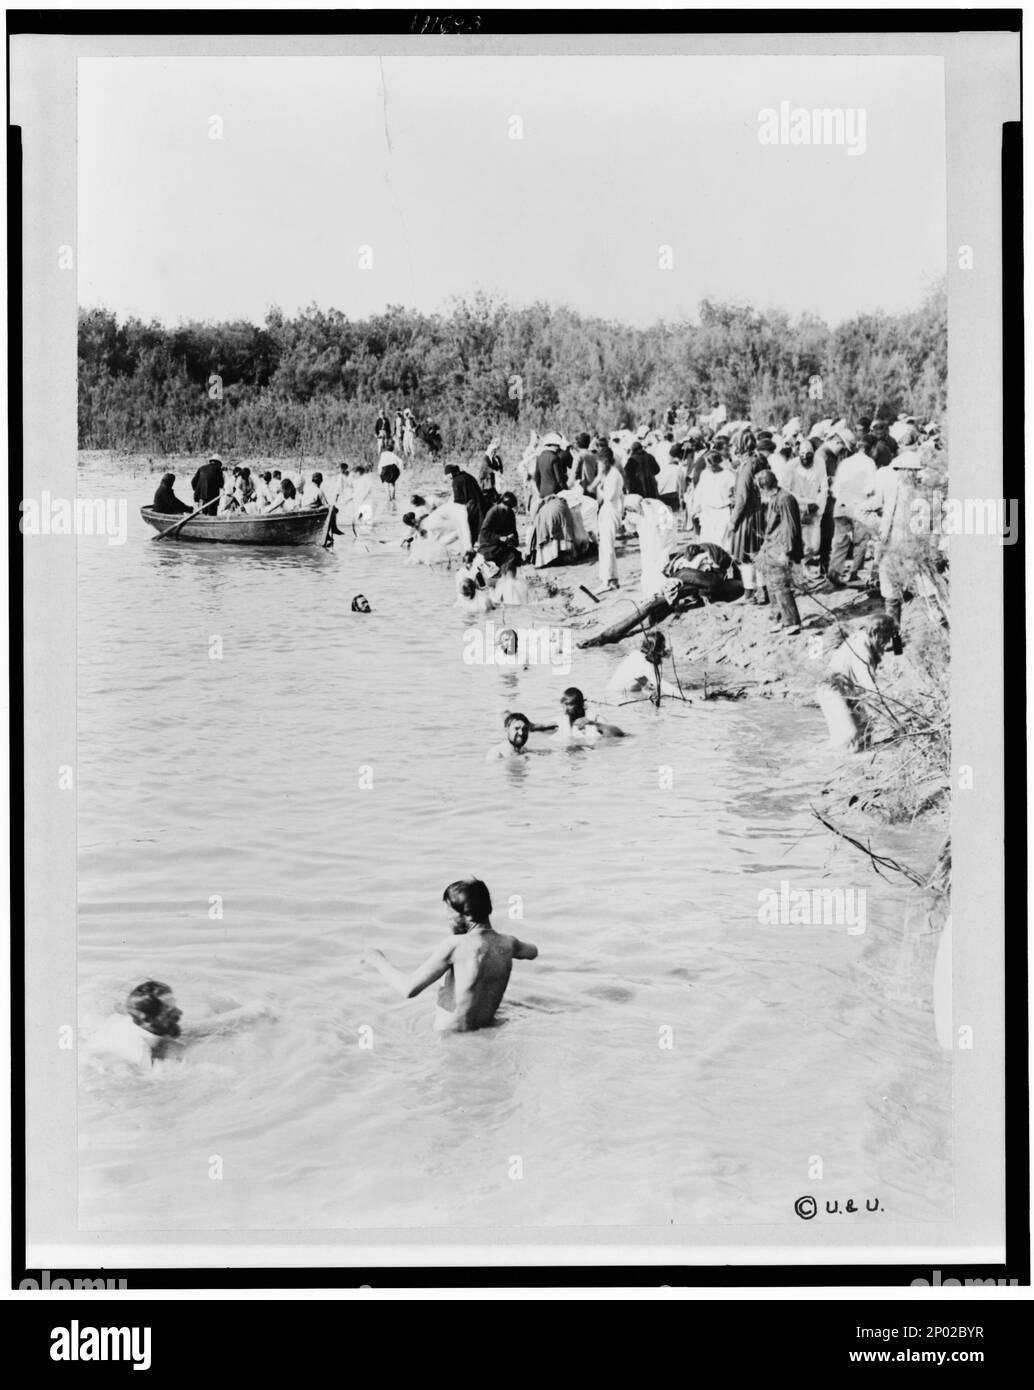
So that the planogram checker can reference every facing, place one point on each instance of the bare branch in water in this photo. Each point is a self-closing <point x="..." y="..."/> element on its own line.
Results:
<point x="879" y="861"/>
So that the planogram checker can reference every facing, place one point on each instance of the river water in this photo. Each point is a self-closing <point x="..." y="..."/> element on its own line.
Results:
<point x="269" y="783"/>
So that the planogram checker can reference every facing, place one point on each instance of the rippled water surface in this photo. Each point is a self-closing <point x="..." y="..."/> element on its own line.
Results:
<point x="236" y="780"/>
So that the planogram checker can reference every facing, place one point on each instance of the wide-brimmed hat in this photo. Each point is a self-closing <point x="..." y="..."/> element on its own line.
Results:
<point x="552" y="440"/>
<point x="214" y="458"/>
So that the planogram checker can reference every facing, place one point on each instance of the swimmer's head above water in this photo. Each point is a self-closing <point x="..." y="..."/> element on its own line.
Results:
<point x="470" y="902"/>
<point x="152" y="1007"/>
<point x="518" y="727"/>
<point x="361" y="604"/>
<point x="573" y="702"/>
<point x="654" y="647"/>
<point x="507" y="641"/>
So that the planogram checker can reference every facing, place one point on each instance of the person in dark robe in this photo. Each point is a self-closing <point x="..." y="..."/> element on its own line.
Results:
<point x="886" y="445"/>
<point x="551" y="467"/>
<point x="781" y="549"/>
<point x="641" y="471"/>
<point x="747" y="524"/>
<point x="208" y="481"/>
<point x="497" y="540"/>
<point x="466" y="491"/>
<point x="166" y="501"/>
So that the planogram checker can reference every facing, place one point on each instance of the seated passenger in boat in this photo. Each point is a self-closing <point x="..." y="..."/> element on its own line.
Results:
<point x="244" y="490"/>
<point x="228" y="499"/>
<point x="312" y="492"/>
<point x="165" y="499"/>
<point x="263" y="492"/>
<point x="288" y="501"/>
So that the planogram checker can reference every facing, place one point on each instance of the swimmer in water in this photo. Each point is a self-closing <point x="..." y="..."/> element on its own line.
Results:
<point x="475" y="962"/>
<point x="472" y="599"/>
<point x="641" y="670"/>
<point x="151" y="1025"/>
<point x="361" y="604"/>
<point x="517" y="727"/>
<point x="576" y="726"/>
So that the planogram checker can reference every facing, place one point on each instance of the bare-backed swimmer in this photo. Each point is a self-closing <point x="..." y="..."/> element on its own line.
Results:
<point x="641" y="670"/>
<point x="475" y="962"/>
<point x="576" y="726"/>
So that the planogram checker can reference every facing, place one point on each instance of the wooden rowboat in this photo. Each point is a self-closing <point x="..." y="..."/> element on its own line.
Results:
<point x="280" y="528"/>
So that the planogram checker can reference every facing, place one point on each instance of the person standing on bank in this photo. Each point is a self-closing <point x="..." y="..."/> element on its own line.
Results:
<point x="782" y="548"/>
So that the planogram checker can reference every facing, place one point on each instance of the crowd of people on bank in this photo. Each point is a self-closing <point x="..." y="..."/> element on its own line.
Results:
<point x="781" y="508"/>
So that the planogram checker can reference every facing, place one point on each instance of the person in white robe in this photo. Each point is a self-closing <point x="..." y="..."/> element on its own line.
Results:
<point x="611" y="491"/>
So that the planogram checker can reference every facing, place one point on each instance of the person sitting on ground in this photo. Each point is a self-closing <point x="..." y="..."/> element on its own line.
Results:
<point x="475" y="962"/>
<point x="850" y="677"/>
<point x="641" y="670"/>
<point x="517" y="727"/>
<point x="576" y="726"/>
<point x="165" y="500"/>
<point x="361" y="604"/>
<point x="152" y="1025"/>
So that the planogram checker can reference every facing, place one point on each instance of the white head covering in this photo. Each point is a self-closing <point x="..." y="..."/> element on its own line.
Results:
<point x="552" y="440"/>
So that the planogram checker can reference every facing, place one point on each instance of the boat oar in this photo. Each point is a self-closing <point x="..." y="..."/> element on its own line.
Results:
<point x="164" y="535"/>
